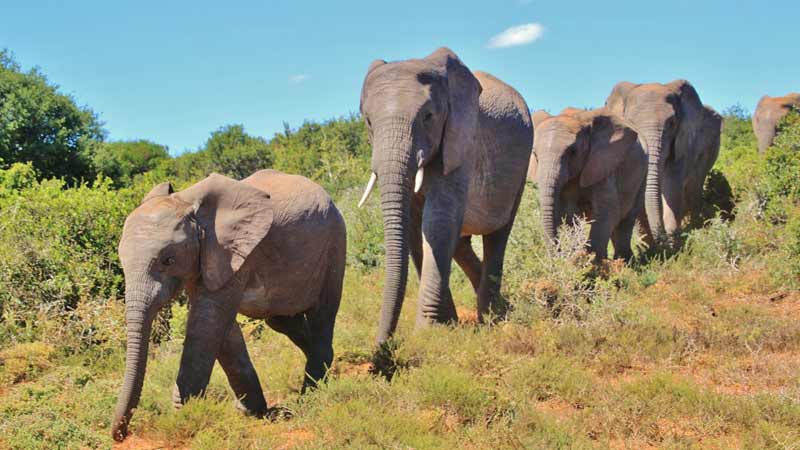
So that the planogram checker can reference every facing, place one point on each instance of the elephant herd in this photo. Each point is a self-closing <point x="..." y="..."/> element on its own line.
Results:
<point x="451" y="151"/>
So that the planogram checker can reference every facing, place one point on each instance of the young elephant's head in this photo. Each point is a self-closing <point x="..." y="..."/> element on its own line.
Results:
<point x="198" y="237"/>
<point x="572" y="151"/>
<point x="421" y="115"/>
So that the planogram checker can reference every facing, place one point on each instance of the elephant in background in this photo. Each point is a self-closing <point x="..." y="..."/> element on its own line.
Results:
<point x="591" y="163"/>
<point x="271" y="246"/>
<point x="769" y="112"/>
<point x="681" y="137"/>
<point x="450" y="149"/>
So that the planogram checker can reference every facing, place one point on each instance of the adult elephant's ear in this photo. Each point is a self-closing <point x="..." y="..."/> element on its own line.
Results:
<point x="462" y="118"/>
<point x="616" y="99"/>
<point x="539" y="117"/>
<point x="160" y="190"/>
<point x="610" y="143"/>
<point x="235" y="217"/>
<point x="375" y="64"/>
<point x="691" y="119"/>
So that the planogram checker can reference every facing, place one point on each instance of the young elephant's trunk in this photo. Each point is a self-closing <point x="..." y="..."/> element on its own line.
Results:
<point x="139" y="324"/>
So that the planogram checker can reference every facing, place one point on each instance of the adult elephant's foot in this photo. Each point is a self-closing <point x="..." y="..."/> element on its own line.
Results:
<point x="177" y="403"/>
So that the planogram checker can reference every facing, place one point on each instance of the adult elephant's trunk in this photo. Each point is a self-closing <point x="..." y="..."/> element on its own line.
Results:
<point x="550" y="200"/>
<point x="654" y="139"/>
<point x="139" y="324"/>
<point x="392" y="156"/>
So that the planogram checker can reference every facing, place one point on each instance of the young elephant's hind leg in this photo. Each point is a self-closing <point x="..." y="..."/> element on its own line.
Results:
<point x="241" y="374"/>
<point x="313" y="337"/>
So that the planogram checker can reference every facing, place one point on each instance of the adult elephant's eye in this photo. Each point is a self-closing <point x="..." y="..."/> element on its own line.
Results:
<point x="168" y="261"/>
<point x="428" y="118"/>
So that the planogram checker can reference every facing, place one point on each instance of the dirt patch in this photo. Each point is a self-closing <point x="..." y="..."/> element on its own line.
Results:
<point x="557" y="408"/>
<point x="352" y="369"/>
<point x="467" y="316"/>
<point x="134" y="442"/>
<point x="295" y="438"/>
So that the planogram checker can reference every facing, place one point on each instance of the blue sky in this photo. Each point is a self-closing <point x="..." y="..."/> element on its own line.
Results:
<point x="173" y="71"/>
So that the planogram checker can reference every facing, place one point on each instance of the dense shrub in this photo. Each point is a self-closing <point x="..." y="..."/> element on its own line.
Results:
<point x="58" y="249"/>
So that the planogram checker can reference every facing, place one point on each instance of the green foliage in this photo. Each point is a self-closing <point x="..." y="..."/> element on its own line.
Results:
<point x="18" y="176"/>
<point x="41" y="125"/>
<point x="58" y="249"/>
<point x="123" y="160"/>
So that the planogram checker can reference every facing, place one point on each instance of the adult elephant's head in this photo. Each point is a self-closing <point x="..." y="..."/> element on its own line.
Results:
<point x="768" y="113"/>
<point x="572" y="151"/>
<point x="201" y="235"/>
<point x="667" y="117"/>
<point x="421" y="115"/>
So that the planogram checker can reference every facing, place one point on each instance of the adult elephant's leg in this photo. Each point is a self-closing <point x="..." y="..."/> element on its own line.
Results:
<point x="621" y="238"/>
<point x="494" y="251"/>
<point x="207" y="327"/>
<point x="242" y="376"/>
<point x="468" y="261"/>
<point x="672" y="192"/>
<point x="442" y="218"/>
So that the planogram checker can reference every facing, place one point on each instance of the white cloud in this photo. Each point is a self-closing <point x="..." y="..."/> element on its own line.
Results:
<point x="518" y="35"/>
<point x="299" y="78"/>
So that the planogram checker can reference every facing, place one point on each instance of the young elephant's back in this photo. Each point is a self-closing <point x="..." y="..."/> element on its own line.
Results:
<point x="306" y="239"/>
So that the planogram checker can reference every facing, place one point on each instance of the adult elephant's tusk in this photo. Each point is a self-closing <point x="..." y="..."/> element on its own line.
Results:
<point x="418" y="179"/>
<point x="368" y="190"/>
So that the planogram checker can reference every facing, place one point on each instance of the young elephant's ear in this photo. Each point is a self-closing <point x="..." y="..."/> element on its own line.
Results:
<point x="611" y="140"/>
<point x="464" y="91"/>
<point x="235" y="217"/>
<point x="161" y="190"/>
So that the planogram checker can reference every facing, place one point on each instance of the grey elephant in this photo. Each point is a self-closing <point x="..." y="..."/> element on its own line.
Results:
<point x="769" y="112"/>
<point x="271" y="246"/>
<point x="681" y="137"/>
<point x="590" y="163"/>
<point x="450" y="148"/>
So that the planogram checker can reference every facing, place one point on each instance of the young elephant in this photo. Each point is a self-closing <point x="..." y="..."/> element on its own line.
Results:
<point x="270" y="247"/>
<point x="592" y="163"/>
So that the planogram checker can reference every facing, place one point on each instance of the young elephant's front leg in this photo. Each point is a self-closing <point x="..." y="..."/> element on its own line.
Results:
<point x="206" y="329"/>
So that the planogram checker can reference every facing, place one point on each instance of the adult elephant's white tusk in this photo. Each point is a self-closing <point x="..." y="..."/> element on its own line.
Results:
<point x="368" y="190"/>
<point x="418" y="179"/>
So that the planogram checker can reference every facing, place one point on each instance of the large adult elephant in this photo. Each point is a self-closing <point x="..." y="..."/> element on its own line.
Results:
<point x="681" y="136"/>
<point x="769" y="112"/>
<point x="271" y="246"/>
<point x="450" y="150"/>
<point x="590" y="163"/>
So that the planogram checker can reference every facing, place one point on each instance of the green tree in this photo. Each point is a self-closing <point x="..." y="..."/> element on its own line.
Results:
<point x="123" y="160"/>
<point x="41" y="125"/>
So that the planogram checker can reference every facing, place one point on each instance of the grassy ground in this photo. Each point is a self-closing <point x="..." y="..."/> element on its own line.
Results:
<point x="698" y="350"/>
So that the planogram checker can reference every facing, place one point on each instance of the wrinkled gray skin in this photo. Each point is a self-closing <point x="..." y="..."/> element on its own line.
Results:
<point x="769" y="112"/>
<point x="471" y="135"/>
<point x="270" y="247"/>
<point x="589" y="163"/>
<point x="681" y="137"/>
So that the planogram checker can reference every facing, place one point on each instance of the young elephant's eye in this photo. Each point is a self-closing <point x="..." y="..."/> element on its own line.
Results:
<point x="428" y="118"/>
<point x="168" y="261"/>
